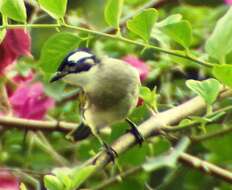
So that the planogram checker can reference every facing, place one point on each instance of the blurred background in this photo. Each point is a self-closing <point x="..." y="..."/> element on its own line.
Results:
<point x="27" y="155"/>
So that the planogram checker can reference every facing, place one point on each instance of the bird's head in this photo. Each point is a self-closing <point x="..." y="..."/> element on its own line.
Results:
<point x="79" y="60"/>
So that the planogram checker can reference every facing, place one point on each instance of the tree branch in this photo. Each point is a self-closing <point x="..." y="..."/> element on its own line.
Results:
<point x="13" y="122"/>
<point x="187" y="159"/>
<point x="152" y="126"/>
<point x="206" y="167"/>
<point x="148" y="128"/>
<point x="116" y="178"/>
<point x="211" y="135"/>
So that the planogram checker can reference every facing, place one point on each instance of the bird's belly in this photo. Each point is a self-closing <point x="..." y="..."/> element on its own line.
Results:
<point x="100" y="116"/>
<point x="100" y="119"/>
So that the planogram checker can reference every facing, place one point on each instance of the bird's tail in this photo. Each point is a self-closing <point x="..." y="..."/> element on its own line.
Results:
<point x="81" y="132"/>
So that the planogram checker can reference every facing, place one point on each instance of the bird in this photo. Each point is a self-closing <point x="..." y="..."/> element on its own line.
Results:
<point x="110" y="91"/>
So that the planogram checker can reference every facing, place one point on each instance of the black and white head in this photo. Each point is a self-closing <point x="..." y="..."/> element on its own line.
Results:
<point x="80" y="60"/>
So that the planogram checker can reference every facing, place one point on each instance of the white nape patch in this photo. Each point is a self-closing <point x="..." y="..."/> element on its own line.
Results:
<point x="78" y="56"/>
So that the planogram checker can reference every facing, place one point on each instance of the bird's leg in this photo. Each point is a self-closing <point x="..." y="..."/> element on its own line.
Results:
<point x="109" y="150"/>
<point x="135" y="132"/>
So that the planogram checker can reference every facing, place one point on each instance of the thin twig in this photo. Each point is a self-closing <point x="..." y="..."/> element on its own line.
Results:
<point x="13" y="122"/>
<point x="110" y="36"/>
<point x="207" y="136"/>
<point x="184" y="159"/>
<point x="206" y="167"/>
<point x="118" y="177"/>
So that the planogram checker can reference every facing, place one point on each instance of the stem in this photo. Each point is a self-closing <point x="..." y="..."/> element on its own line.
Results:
<point x="114" y="179"/>
<point x="4" y="20"/>
<point x="44" y="145"/>
<point x="206" y="167"/>
<point x="36" y="125"/>
<point x="10" y="26"/>
<point x="212" y="135"/>
<point x="116" y="37"/>
<point x="195" y="122"/>
<point x="184" y="158"/>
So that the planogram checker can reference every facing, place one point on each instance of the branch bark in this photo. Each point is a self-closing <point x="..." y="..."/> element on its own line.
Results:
<point x="148" y="128"/>
<point x="187" y="159"/>
<point x="13" y="122"/>
<point x="154" y="125"/>
<point x="206" y="167"/>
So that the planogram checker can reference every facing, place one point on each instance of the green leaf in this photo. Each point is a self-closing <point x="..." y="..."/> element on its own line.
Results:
<point x="223" y="73"/>
<point x="55" y="8"/>
<point x="14" y="9"/>
<point x="218" y="149"/>
<point x="52" y="183"/>
<point x="2" y="35"/>
<point x="143" y="23"/>
<point x="167" y="160"/>
<point x="172" y="19"/>
<point x="180" y="32"/>
<point x="149" y="97"/>
<point x="219" y="43"/>
<point x="113" y="12"/>
<point x="79" y="175"/>
<point x="55" y="49"/>
<point x="62" y="175"/>
<point x="207" y="89"/>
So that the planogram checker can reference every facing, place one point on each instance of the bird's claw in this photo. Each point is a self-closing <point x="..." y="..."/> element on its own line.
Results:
<point x="110" y="151"/>
<point x="134" y="131"/>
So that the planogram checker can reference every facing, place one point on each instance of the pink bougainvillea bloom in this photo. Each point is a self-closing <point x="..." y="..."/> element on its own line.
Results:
<point x="16" y="43"/>
<point x="30" y="102"/>
<point x="229" y="2"/>
<point x="8" y="181"/>
<point x="140" y="65"/>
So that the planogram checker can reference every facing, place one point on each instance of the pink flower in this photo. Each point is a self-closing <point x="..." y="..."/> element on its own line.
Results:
<point x="140" y="65"/>
<point x="16" y="43"/>
<point x="8" y="181"/>
<point x="229" y="2"/>
<point x="30" y="102"/>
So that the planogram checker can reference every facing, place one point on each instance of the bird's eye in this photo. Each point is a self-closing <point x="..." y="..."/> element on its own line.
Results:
<point x="77" y="61"/>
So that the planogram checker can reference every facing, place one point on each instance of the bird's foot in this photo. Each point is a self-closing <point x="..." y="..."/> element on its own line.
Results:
<point x="139" y="138"/>
<point x="110" y="151"/>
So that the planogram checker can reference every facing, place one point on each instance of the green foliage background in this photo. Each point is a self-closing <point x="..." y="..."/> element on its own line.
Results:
<point x="186" y="28"/>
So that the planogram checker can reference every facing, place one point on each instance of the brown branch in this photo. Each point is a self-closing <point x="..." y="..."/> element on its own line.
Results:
<point x="148" y="128"/>
<point x="206" y="167"/>
<point x="12" y="122"/>
<point x="153" y="125"/>
<point x="187" y="159"/>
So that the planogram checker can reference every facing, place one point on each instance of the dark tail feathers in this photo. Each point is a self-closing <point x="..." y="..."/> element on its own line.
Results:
<point x="82" y="132"/>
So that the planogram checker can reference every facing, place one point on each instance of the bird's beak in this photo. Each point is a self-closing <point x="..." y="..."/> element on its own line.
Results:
<point x="57" y="76"/>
